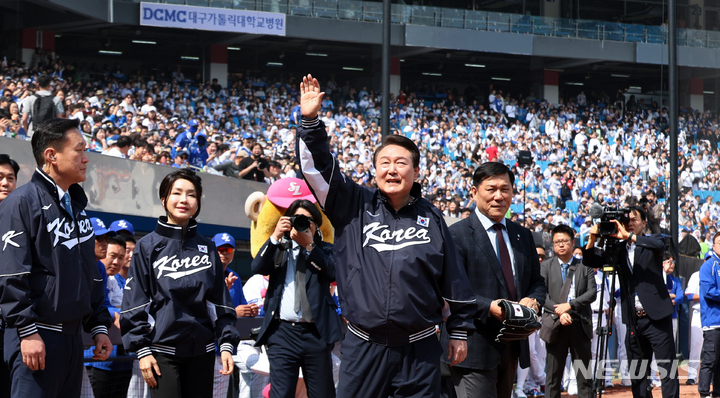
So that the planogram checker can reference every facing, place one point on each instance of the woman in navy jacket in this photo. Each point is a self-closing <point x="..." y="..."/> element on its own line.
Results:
<point x="176" y="277"/>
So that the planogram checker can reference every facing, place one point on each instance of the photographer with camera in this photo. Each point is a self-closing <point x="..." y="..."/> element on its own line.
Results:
<point x="647" y="307"/>
<point x="300" y="325"/>
<point x="254" y="167"/>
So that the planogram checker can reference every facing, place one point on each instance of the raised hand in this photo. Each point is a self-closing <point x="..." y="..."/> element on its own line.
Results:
<point x="310" y="96"/>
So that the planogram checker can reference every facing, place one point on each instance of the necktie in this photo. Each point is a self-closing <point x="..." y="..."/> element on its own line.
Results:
<point x="301" y="299"/>
<point x="564" y="270"/>
<point x="504" y="257"/>
<point x="67" y="205"/>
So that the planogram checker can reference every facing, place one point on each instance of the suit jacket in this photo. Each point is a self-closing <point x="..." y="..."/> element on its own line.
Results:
<point x="646" y="278"/>
<point x="485" y="274"/>
<point x="585" y="294"/>
<point x="320" y="271"/>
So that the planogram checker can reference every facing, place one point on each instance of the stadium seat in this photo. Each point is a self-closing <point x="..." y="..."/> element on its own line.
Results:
<point x="613" y="31"/>
<point x="634" y="33"/>
<point x="655" y="34"/>
<point x="571" y="206"/>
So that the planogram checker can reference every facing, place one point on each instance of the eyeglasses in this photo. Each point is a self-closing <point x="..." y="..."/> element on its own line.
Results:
<point x="562" y="242"/>
<point x="225" y="250"/>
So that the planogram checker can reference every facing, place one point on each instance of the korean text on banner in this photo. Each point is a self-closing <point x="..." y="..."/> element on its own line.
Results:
<point x="216" y="19"/>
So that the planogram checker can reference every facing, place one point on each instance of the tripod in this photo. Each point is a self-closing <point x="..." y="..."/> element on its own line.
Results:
<point x="612" y="250"/>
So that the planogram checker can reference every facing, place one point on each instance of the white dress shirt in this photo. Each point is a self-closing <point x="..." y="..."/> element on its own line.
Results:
<point x="492" y="235"/>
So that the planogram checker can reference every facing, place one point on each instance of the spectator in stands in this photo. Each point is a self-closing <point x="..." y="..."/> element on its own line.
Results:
<point x="254" y="167"/>
<point x="181" y="159"/>
<point x="118" y="146"/>
<point x="41" y="107"/>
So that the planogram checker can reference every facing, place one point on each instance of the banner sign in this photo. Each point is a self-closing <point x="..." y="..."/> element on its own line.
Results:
<point x="217" y="19"/>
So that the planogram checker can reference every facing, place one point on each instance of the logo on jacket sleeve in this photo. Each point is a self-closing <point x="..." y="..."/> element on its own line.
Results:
<point x="423" y="221"/>
<point x="7" y="238"/>
<point x="202" y="248"/>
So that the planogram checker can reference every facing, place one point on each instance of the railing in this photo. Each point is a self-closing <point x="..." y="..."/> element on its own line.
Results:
<point x="465" y="19"/>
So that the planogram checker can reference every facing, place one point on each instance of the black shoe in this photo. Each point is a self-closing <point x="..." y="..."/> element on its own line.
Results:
<point x="690" y="382"/>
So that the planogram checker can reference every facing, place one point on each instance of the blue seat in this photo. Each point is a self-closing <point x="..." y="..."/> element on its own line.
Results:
<point x="613" y="31"/>
<point x="634" y="33"/>
<point x="571" y="206"/>
<point x="655" y="34"/>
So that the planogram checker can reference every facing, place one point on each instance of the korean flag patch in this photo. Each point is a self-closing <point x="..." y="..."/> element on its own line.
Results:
<point x="423" y="221"/>
<point x="517" y="310"/>
<point x="202" y="248"/>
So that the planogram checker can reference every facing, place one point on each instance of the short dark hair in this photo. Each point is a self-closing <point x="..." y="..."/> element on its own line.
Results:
<point x="563" y="229"/>
<point x="307" y="205"/>
<point x="51" y="134"/>
<point x="117" y="240"/>
<point x="401" y="141"/>
<point x="5" y="159"/>
<point x="44" y="81"/>
<point x="182" y="174"/>
<point x="123" y="141"/>
<point x="491" y="169"/>
<point x="640" y="211"/>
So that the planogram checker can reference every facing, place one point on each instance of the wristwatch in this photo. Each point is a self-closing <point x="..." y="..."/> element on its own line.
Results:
<point x="309" y="247"/>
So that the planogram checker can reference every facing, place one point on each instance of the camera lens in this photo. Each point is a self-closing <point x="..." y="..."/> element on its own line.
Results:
<point x="301" y="223"/>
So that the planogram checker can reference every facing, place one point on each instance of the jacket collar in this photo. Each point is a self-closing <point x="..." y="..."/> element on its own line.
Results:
<point x="44" y="181"/>
<point x="173" y="231"/>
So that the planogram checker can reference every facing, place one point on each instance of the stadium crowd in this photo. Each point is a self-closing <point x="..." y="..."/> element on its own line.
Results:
<point x="585" y="149"/>
<point x="602" y="149"/>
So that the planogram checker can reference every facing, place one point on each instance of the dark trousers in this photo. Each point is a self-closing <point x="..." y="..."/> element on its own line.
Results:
<point x="653" y="336"/>
<point x="710" y="363"/>
<point x="62" y="376"/>
<point x="109" y="383"/>
<point x="184" y="377"/>
<point x="4" y="371"/>
<point x="296" y="345"/>
<point x="492" y="383"/>
<point x="570" y="337"/>
<point x="369" y="370"/>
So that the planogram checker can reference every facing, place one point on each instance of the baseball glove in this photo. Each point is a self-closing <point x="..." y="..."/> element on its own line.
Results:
<point x="520" y="322"/>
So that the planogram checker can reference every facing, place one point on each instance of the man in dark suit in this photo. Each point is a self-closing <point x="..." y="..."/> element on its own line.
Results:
<point x="647" y="308"/>
<point x="567" y="324"/>
<point x="301" y="324"/>
<point x="501" y="262"/>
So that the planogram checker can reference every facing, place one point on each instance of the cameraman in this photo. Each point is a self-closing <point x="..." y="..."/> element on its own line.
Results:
<point x="254" y="167"/>
<point x="647" y="305"/>
<point x="300" y="325"/>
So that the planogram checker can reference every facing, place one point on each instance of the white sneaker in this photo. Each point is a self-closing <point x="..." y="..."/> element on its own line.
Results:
<point x="625" y="383"/>
<point x="609" y="384"/>
<point x="656" y="383"/>
<point x="519" y="393"/>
